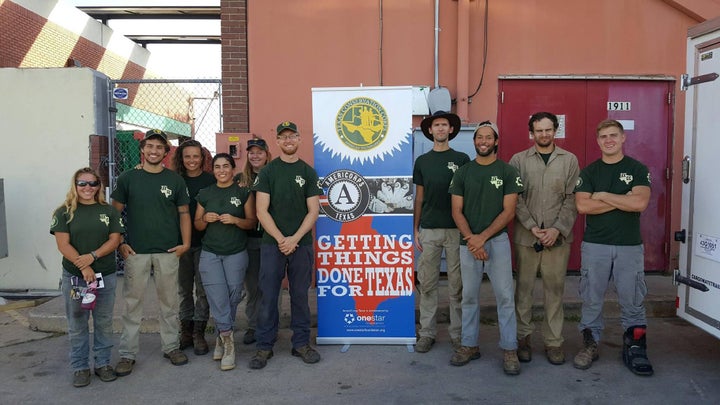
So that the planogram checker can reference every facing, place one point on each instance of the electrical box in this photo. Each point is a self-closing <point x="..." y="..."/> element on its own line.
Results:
<point x="233" y="144"/>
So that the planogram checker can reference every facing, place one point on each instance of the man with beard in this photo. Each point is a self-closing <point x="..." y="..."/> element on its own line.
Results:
<point x="159" y="233"/>
<point x="544" y="219"/>
<point x="435" y="229"/>
<point x="484" y="197"/>
<point x="288" y="204"/>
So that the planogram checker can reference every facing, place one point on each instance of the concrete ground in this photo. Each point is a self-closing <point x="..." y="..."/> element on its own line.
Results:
<point x="685" y="359"/>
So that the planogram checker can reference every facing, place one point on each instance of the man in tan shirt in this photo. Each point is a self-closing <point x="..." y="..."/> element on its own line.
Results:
<point x="542" y="236"/>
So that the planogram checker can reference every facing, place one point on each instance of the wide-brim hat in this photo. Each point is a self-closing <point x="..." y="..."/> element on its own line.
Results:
<point x="453" y="119"/>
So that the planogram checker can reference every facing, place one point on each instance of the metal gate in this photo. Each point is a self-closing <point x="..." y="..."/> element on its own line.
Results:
<point x="184" y="109"/>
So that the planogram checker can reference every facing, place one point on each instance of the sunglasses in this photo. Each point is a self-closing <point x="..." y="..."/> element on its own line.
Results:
<point x="83" y="183"/>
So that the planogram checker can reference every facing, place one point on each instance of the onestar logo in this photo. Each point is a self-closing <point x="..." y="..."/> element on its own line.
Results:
<point x="349" y="318"/>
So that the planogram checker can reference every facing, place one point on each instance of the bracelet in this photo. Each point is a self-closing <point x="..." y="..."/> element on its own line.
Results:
<point x="94" y="256"/>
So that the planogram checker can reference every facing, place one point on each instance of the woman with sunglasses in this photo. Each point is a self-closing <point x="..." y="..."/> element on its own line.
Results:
<point x="224" y="211"/>
<point x="87" y="231"/>
<point x="258" y="155"/>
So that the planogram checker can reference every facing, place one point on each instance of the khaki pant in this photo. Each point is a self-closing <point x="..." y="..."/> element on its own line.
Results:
<point x="433" y="241"/>
<point x="137" y="276"/>
<point x="552" y="264"/>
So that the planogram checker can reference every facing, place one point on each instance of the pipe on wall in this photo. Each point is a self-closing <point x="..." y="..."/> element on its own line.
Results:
<point x="463" y="59"/>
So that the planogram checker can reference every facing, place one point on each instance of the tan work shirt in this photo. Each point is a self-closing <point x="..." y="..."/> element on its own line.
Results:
<point x="549" y="197"/>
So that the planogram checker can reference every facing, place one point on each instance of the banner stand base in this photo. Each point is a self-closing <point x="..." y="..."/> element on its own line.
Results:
<point x="411" y="348"/>
<point x="344" y="349"/>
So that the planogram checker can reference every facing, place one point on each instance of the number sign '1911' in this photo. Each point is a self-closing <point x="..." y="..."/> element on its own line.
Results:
<point x="618" y="106"/>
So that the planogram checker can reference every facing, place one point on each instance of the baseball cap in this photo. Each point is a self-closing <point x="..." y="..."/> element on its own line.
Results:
<point x="156" y="133"/>
<point x="286" y="125"/>
<point x="260" y="143"/>
<point x="453" y="119"/>
<point x="487" y="124"/>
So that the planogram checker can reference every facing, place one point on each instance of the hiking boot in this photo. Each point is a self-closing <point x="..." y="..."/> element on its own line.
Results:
<point x="186" y="334"/>
<point x="198" y="337"/>
<point x="218" y="351"/>
<point x="511" y="364"/>
<point x="456" y="344"/>
<point x="307" y="353"/>
<point x="249" y="337"/>
<point x="106" y="373"/>
<point x="81" y="378"/>
<point x="177" y="357"/>
<point x="424" y="344"/>
<point x="260" y="359"/>
<point x="524" y="351"/>
<point x="589" y="353"/>
<point x="124" y="367"/>
<point x="464" y="354"/>
<point x="635" y="351"/>
<point x="555" y="355"/>
<point x="228" y="359"/>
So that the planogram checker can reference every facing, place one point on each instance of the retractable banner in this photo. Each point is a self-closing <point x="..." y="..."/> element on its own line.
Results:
<point x="364" y="236"/>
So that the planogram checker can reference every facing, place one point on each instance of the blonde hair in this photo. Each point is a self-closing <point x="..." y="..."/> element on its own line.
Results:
<point x="247" y="176"/>
<point x="71" y="199"/>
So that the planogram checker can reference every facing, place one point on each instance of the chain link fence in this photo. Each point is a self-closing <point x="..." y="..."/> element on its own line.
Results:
<point x="183" y="109"/>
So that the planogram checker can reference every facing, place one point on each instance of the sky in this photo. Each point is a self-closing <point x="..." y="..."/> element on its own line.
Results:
<point x="181" y="61"/>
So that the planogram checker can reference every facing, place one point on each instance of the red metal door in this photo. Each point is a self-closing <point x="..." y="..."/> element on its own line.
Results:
<point x="580" y="105"/>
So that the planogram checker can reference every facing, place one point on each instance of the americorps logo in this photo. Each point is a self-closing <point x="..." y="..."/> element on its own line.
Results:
<point x="347" y="195"/>
<point x="361" y="126"/>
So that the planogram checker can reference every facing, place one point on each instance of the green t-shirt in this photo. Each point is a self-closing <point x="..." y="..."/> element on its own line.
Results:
<point x="289" y="186"/>
<point x="614" y="227"/>
<point x="151" y="201"/>
<point x="90" y="228"/>
<point x="433" y="171"/>
<point x="483" y="188"/>
<point x="224" y="239"/>
<point x="195" y="184"/>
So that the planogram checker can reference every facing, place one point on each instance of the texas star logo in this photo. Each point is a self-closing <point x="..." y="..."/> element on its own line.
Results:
<point x="105" y="219"/>
<point x="166" y="190"/>
<point x="452" y="166"/>
<point x="627" y="178"/>
<point x="496" y="181"/>
<point x="235" y="201"/>
<point x="300" y="181"/>
<point x="648" y="178"/>
<point x="518" y="181"/>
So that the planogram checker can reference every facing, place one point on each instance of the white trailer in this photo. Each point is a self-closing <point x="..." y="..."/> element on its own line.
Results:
<point x="698" y="276"/>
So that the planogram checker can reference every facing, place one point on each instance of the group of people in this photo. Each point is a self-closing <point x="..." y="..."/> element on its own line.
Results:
<point x="202" y="237"/>
<point x="463" y="208"/>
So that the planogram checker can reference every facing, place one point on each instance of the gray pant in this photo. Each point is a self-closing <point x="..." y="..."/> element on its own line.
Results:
<point x="222" y="278"/>
<point x="624" y="265"/>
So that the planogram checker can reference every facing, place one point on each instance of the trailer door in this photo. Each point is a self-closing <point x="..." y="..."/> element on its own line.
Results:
<point x="700" y="234"/>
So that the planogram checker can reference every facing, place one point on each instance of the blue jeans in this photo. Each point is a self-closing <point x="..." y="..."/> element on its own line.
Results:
<point x="77" y="318"/>
<point x="299" y="271"/>
<point x="222" y="277"/>
<point x="625" y="265"/>
<point x="499" y="270"/>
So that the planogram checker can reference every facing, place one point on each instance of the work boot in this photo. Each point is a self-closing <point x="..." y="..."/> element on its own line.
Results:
<point x="186" y="334"/>
<point x="464" y="354"/>
<point x="198" y="337"/>
<point x="227" y="362"/>
<point x="81" y="378"/>
<point x="555" y="355"/>
<point x="511" y="364"/>
<point x="249" y="336"/>
<point x="260" y="359"/>
<point x="124" y="367"/>
<point x="635" y="351"/>
<point x="176" y="357"/>
<point x="306" y="353"/>
<point x="218" y="351"/>
<point x="589" y="353"/>
<point x="524" y="351"/>
<point x="424" y="344"/>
